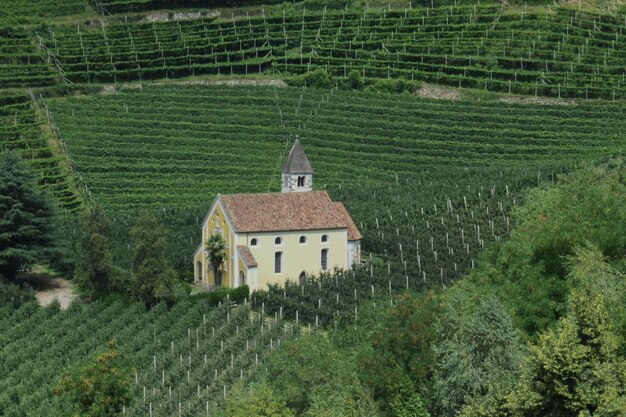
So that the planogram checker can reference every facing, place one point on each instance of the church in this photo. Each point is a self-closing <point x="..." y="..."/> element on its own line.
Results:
<point x="270" y="238"/>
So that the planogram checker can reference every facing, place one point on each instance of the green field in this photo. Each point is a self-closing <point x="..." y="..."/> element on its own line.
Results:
<point x="178" y="146"/>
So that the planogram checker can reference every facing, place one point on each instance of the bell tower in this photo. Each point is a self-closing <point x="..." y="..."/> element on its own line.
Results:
<point x="297" y="175"/>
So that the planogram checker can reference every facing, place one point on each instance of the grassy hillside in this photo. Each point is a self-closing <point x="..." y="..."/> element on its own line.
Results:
<point x="558" y="52"/>
<point x="177" y="146"/>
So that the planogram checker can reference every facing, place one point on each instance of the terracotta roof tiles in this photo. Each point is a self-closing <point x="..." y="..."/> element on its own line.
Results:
<point x="246" y="256"/>
<point x="353" y="231"/>
<point x="269" y="212"/>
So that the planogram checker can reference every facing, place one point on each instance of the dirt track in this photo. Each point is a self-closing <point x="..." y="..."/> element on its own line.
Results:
<point x="47" y="289"/>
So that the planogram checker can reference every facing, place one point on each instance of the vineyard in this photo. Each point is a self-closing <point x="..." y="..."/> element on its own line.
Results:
<point x="21" y="128"/>
<point x="21" y="64"/>
<point x="421" y="235"/>
<point x="178" y="146"/>
<point x="557" y="52"/>
<point x="186" y="358"/>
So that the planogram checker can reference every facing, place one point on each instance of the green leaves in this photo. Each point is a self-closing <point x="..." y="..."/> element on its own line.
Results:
<point x="100" y="389"/>
<point x="477" y="349"/>
<point x="153" y="278"/>
<point x="216" y="250"/>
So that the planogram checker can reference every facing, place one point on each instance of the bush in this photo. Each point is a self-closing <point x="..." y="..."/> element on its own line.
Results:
<point x="236" y="295"/>
<point x="12" y="295"/>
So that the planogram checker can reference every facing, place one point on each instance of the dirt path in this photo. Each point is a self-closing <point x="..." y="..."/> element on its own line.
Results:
<point x="47" y="289"/>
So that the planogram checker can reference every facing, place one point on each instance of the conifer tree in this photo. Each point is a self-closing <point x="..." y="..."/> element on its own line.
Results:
<point x="25" y="217"/>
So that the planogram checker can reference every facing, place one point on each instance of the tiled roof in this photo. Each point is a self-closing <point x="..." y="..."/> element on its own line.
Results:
<point x="353" y="231"/>
<point x="297" y="162"/>
<point x="246" y="256"/>
<point x="271" y="212"/>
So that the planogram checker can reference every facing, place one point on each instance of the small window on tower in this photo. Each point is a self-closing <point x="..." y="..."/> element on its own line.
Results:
<point x="301" y="181"/>
<point x="254" y="241"/>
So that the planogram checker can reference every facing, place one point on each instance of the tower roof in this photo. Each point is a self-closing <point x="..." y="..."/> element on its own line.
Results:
<point x="297" y="162"/>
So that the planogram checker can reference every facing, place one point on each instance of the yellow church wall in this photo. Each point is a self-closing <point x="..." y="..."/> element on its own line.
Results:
<point x="217" y="221"/>
<point x="297" y="257"/>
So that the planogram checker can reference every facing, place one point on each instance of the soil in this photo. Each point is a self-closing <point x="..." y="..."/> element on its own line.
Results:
<point x="48" y="288"/>
<point x="439" y="93"/>
<point x="167" y="17"/>
<point x="241" y="81"/>
<point x="539" y="100"/>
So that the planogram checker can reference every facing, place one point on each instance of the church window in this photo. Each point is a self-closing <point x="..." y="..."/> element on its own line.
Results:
<point x="278" y="241"/>
<point x="301" y="181"/>
<point x="324" y="238"/>
<point x="254" y="241"/>
<point x="278" y="262"/>
<point x="302" y="240"/>
<point x="324" y="259"/>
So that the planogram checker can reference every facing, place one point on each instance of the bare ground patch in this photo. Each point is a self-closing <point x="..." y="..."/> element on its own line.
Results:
<point x="439" y="93"/>
<point x="169" y="16"/>
<point x="48" y="288"/>
<point x="538" y="100"/>
<point x="241" y="81"/>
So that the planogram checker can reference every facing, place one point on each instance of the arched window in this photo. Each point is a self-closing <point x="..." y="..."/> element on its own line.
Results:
<point x="302" y="278"/>
<point x="301" y="181"/>
<point x="278" y="262"/>
<point x="302" y="240"/>
<point x="242" y="278"/>
<point x="324" y="260"/>
<point x="278" y="241"/>
<point x="254" y="241"/>
<point x="199" y="271"/>
<point x="324" y="238"/>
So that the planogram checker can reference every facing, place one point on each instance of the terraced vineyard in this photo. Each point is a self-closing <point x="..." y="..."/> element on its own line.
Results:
<point x="177" y="146"/>
<point x="185" y="358"/>
<point x="20" y="63"/>
<point x="559" y="52"/>
<point x="21" y="129"/>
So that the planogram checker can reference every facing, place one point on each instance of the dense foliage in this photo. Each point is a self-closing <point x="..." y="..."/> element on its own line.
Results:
<point x="101" y="388"/>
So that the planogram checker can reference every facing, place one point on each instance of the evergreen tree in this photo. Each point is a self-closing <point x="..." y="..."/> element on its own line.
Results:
<point x="25" y="217"/>
<point x="153" y="277"/>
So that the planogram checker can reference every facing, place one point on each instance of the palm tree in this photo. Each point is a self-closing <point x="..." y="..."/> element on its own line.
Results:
<point x="216" y="254"/>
